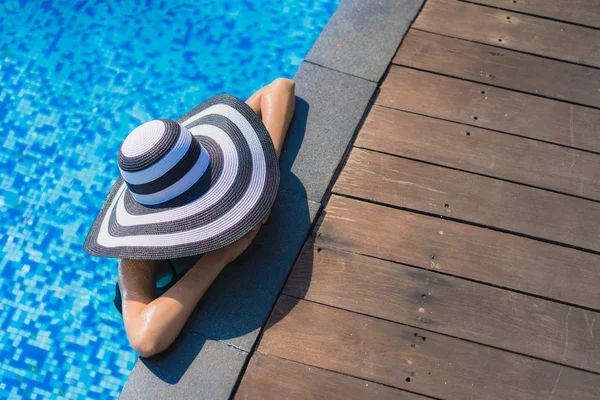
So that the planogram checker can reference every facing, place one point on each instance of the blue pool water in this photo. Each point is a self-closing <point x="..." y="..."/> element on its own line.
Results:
<point x="76" y="76"/>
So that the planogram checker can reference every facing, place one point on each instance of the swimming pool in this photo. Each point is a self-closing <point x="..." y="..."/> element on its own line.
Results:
<point x="76" y="77"/>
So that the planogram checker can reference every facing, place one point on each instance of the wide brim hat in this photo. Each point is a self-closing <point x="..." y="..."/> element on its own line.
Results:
<point x="190" y="186"/>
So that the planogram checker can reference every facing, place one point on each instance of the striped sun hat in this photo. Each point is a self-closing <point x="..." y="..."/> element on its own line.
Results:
<point x="190" y="186"/>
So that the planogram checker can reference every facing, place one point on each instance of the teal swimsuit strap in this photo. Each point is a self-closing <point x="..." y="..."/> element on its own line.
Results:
<point x="160" y="284"/>
<point x="160" y="290"/>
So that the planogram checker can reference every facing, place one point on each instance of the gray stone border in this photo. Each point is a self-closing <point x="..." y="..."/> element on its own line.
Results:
<point x="363" y="35"/>
<point x="335" y="87"/>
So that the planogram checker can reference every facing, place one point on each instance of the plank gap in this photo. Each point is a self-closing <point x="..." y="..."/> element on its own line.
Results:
<point x="499" y="109"/>
<point x="493" y="44"/>
<point x="483" y="255"/>
<point x="486" y="128"/>
<point x="474" y="173"/>
<point x="523" y="32"/>
<point x="465" y="222"/>
<point x="388" y="353"/>
<point x="489" y="83"/>
<point x="332" y="246"/>
<point x="449" y="306"/>
<point x="548" y="4"/>
<point x="322" y="378"/>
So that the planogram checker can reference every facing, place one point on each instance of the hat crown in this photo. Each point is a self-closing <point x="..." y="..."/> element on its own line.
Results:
<point x="160" y="160"/>
<point x="143" y="138"/>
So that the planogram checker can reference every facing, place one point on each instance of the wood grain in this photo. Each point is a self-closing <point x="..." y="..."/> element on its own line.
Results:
<point x="511" y="30"/>
<point x="420" y="361"/>
<point x="480" y="254"/>
<point x="585" y="12"/>
<point x="448" y="305"/>
<point x="272" y="378"/>
<point x="492" y="108"/>
<point x="473" y="198"/>
<point x="500" y="67"/>
<point x="482" y="151"/>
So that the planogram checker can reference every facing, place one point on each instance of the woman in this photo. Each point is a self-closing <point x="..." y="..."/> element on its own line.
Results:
<point x="152" y="323"/>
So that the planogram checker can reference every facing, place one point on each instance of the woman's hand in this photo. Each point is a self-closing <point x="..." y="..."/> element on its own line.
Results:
<point x="229" y="253"/>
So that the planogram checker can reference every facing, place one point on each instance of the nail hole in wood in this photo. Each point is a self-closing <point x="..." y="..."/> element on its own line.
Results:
<point x="475" y="117"/>
<point x="499" y="40"/>
<point x="483" y="92"/>
<point x="319" y="250"/>
<point x="507" y="17"/>
<point x="468" y="133"/>
<point x="407" y="379"/>
<point x="446" y="205"/>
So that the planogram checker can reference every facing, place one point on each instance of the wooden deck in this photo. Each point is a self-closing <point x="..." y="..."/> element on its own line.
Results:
<point x="459" y="254"/>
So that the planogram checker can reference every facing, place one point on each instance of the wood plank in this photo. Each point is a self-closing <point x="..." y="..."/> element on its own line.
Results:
<point x="473" y="198"/>
<point x="585" y="12"/>
<point x="491" y="107"/>
<point x="511" y="30"/>
<point x="476" y="253"/>
<point x="272" y="378"/>
<point x="500" y="67"/>
<point x="409" y="358"/>
<point x="443" y="304"/>
<point x="482" y="151"/>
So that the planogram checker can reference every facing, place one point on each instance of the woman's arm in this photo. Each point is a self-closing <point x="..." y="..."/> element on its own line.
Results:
<point x="275" y="104"/>
<point x="153" y="324"/>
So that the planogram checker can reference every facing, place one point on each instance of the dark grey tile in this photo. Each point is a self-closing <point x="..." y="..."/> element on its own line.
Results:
<point x="329" y="107"/>
<point x="192" y="368"/>
<point x="239" y="301"/>
<point x="362" y="36"/>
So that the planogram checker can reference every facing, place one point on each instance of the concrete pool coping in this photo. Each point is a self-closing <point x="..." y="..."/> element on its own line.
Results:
<point x="335" y="86"/>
